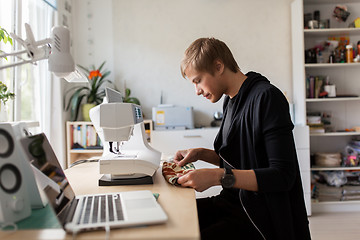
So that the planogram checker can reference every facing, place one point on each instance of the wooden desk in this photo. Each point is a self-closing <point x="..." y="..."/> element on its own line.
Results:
<point x="178" y="203"/>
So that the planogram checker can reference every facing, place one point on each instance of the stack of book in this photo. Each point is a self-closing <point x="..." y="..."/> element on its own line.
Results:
<point x="326" y="193"/>
<point x="350" y="193"/>
<point x="315" y="86"/>
<point x="84" y="136"/>
<point x="314" y="122"/>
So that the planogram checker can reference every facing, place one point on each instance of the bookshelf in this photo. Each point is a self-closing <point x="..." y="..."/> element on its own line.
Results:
<point x="82" y="141"/>
<point x="341" y="111"/>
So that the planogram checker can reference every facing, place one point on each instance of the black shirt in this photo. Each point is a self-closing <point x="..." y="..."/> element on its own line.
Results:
<point x="259" y="137"/>
<point x="228" y="116"/>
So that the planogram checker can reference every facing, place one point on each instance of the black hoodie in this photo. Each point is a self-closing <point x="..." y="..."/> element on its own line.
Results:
<point x="260" y="138"/>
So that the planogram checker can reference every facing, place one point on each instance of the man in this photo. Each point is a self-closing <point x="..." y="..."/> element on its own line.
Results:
<point x="262" y="196"/>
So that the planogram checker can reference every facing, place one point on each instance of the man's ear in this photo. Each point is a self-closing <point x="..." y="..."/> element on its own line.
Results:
<point x="219" y="66"/>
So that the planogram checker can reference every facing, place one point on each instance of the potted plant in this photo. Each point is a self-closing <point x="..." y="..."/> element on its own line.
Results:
<point x="5" y="37"/>
<point x="129" y="99"/>
<point x="5" y="95"/>
<point x="93" y="94"/>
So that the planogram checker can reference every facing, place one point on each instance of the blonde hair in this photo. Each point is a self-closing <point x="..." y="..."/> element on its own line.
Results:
<point x="203" y="53"/>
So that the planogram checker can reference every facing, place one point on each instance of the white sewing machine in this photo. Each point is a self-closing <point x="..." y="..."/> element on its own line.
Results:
<point x="128" y="158"/>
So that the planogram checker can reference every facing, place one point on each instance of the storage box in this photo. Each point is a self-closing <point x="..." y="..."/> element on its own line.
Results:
<point x="169" y="117"/>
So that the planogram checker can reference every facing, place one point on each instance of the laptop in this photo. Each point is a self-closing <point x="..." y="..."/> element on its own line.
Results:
<point x="88" y="212"/>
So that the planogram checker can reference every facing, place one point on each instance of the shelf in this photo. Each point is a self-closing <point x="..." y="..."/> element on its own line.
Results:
<point x="335" y="99"/>
<point x="315" y="168"/>
<point x="335" y="206"/>
<point x="331" y="65"/>
<point x="86" y="151"/>
<point x="331" y="32"/>
<point x="80" y="123"/>
<point x="329" y="1"/>
<point x="335" y="134"/>
<point x="336" y="202"/>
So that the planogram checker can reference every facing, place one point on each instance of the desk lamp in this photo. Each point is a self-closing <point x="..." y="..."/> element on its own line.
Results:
<point x="56" y="49"/>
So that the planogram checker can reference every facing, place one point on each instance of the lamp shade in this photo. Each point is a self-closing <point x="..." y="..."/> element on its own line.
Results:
<point x="61" y="62"/>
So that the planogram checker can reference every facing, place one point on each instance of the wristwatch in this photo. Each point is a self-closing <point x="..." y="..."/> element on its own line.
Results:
<point x="228" y="179"/>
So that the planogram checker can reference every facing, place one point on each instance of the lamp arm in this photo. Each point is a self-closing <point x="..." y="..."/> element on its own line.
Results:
<point x="15" y="64"/>
<point x="45" y="55"/>
<point x="12" y="54"/>
<point x="43" y="42"/>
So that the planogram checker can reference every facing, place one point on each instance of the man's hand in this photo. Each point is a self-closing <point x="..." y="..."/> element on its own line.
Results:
<point x="201" y="179"/>
<point x="182" y="157"/>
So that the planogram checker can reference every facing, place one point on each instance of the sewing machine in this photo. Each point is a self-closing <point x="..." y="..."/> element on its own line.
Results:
<point x="128" y="159"/>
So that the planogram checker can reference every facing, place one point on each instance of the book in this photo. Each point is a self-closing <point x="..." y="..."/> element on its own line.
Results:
<point x="318" y="86"/>
<point x="325" y="193"/>
<point x="317" y="129"/>
<point x="84" y="136"/>
<point x="311" y="87"/>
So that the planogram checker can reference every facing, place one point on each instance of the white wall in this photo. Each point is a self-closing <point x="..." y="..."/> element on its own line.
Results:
<point x="144" y="41"/>
<point x="93" y="33"/>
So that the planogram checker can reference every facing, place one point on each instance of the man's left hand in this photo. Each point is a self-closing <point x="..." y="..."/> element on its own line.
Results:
<point x="201" y="179"/>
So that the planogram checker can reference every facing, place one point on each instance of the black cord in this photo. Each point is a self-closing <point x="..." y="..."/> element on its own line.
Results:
<point x="82" y="161"/>
<point x="241" y="202"/>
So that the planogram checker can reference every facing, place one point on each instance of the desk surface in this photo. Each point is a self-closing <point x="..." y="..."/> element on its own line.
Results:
<point x="178" y="203"/>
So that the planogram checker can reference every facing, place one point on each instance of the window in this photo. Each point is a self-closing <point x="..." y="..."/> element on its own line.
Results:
<point x="27" y="81"/>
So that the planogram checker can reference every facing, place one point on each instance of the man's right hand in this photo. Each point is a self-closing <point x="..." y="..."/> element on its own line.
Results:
<point x="182" y="157"/>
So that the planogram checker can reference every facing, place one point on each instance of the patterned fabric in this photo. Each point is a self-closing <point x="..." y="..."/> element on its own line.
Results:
<point x="171" y="171"/>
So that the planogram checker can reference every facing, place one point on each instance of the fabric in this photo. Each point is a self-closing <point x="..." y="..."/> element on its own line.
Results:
<point x="260" y="138"/>
<point x="171" y="171"/>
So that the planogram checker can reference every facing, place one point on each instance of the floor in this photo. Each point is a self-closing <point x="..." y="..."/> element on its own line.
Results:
<point x="335" y="226"/>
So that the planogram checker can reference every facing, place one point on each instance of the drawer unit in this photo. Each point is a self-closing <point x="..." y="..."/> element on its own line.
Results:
<point x="168" y="142"/>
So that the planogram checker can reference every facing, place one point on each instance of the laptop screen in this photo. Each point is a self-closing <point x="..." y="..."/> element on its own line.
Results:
<point x="53" y="180"/>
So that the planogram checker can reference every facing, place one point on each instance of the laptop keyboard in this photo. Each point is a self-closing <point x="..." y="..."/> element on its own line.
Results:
<point x="101" y="208"/>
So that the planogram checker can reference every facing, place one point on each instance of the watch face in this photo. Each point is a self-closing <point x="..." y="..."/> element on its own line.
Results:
<point x="228" y="181"/>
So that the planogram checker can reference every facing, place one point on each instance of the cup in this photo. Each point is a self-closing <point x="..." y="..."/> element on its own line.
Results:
<point x="313" y="24"/>
<point x="331" y="90"/>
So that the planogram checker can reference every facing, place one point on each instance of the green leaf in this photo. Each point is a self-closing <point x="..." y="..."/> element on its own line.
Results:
<point x="5" y="95"/>
<point x="5" y="36"/>
<point x="127" y="92"/>
<point x="75" y="109"/>
<point x="5" y="31"/>
<point x="84" y="68"/>
<point x="133" y="100"/>
<point x="101" y="82"/>
<point x="2" y="34"/>
<point x="104" y="75"/>
<point x="75" y="96"/>
<point x="101" y="66"/>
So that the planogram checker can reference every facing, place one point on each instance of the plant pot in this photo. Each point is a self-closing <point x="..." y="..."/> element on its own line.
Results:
<point x="3" y="112"/>
<point x="85" y="111"/>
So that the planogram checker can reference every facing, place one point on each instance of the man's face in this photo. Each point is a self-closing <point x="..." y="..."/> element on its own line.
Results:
<point x="206" y="84"/>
